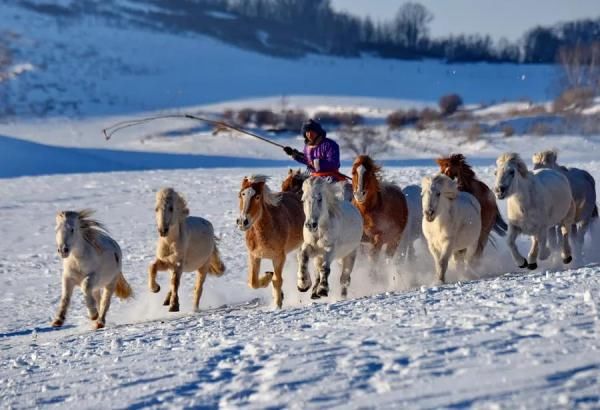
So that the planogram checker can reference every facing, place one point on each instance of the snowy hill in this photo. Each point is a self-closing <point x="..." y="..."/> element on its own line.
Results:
<point x="504" y="341"/>
<point x="89" y="65"/>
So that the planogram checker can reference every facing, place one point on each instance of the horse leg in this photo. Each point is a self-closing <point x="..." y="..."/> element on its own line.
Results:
<point x="304" y="281"/>
<point x="277" y="281"/>
<point x="152" y="270"/>
<point x="65" y="300"/>
<point x="200" y="278"/>
<point x="175" y="280"/>
<point x="441" y="265"/>
<point x="566" y="247"/>
<point x="374" y="257"/>
<point x="324" y="271"/>
<point x="254" y="281"/>
<point x="318" y="264"/>
<point x="347" y="266"/>
<point x="105" y="304"/>
<point x="533" y="252"/>
<point x="552" y="238"/>
<point x="459" y="259"/>
<point x="513" y="232"/>
<point x="543" y="241"/>
<point x="87" y="286"/>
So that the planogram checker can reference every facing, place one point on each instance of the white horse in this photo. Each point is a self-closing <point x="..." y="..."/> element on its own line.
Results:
<point x="536" y="201"/>
<point x="332" y="230"/>
<point x="414" y="228"/>
<point x="185" y="244"/>
<point x="451" y="222"/>
<point x="91" y="260"/>
<point x="583" y="188"/>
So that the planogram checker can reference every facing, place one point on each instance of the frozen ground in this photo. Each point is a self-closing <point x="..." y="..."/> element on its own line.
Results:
<point x="509" y="339"/>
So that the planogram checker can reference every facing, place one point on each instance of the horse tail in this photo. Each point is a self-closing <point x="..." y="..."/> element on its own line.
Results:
<point x="216" y="266"/>
<point x="500" y="226"/>
<point x="595" y="212"/>
<point x="122" y="289"/>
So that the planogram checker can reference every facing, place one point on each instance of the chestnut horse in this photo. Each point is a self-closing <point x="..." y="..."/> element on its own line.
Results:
<point x="273" y="225"/>
<point x="456" y="167"/>
<point x="293" y="182"/>
<point x="382" y="206"/>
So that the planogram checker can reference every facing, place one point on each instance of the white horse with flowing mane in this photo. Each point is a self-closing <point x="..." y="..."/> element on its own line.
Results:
<point x="91" y="260"/>
<point x="333" y="229"/>
<point x="451" y="222"/>
<point x="185" y="244"/>
<point x="583" y="188"/>
<point x="536" y="201"/>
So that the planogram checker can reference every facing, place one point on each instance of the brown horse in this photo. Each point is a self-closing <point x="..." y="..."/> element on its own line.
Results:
<point x="273" y="226"/>
<point x="293" y="182"/>
<point x="456" y="167"/>
<point x="382" y="206"/>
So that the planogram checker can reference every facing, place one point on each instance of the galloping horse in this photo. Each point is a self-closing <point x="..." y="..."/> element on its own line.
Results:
<point x="293" y="182"/>
<point x="92" y="260"/>
<point x="456" y="167"/>
<point x="273" y="226"/>
<point x="186" y="243"/>
<point x="536" y="201"/>
<point x="382" y="206"/>
<point x="332" y="230"/>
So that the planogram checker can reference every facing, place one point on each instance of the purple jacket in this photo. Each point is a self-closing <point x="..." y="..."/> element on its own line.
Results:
<point x="328" y="154"/>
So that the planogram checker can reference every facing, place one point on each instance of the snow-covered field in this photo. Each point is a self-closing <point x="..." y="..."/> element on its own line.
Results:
<point x="509" y="339"/>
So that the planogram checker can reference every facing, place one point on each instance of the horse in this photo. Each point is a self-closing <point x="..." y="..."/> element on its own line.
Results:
<point x="456" y="167"/>
<point x="414" y="229"/>
<point x="333" y="230"/>
<point x="583" y="189"/>
<point x="451" y="222"/>
<point x="91" y="260"/>
<point x="382" y="206"/>
<point x="293" y="182"/>
<point x="272" y="223"/>
<point x="185" y="244"/>
<point x="536" y="201"/>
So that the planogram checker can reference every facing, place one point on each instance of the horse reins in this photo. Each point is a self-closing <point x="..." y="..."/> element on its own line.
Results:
<point x="110" y="131"/>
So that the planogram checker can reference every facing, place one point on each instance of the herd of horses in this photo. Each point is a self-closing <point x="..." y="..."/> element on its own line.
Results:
<point x="452" y="211"/>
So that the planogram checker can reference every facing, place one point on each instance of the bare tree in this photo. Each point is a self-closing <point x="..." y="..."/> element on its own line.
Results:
<point x="411" y="23"/>
<point x="363" y="140"/>
<point x="581" y="66"/>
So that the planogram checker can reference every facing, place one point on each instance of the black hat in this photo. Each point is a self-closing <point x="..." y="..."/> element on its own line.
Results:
<point x="312" y="125"/>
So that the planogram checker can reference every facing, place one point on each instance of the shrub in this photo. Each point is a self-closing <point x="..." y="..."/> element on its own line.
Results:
<point x="244" y="116"/>
<point x="450" y="103"/>
<point x="508" y="130"/>
<point x="265" y="117"/>
<point x="474" y="132"/>
<point x="573" y="98"/>
<point x="539" y="129"/>
<point x="429" y="115"/>
<point x="400" y="118"/>
<point x="293" y="120"/>
<point x="363" y="140"/>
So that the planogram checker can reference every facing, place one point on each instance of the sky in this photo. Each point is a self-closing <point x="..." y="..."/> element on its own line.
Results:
<point x="498" y="18"/>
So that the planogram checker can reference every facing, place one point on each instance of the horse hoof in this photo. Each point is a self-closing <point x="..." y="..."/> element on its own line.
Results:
<point x="532" y="266"/>
<point x="155" y="289"/>
<point x="166" y="303"/>
<point x="568" y="259"/>
<point x="344" y="293"/>
<point x="524" y="265"/>
<point x="57" y="323"/>
<point x="323" y="292"/>
<point x="303" y="289"/>
<point x="98" y="325"/>
<point x="174" y="308"/>
<point x="315" y="296"/>
<point x="94" y="317"/>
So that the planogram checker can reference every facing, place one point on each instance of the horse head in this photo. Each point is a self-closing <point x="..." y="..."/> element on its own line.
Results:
<point x="170" y="209"/>
<point x="508" y="166"/>
<point x="293" y="182"/>
<point x="433" y="189"/>
<point x="254" y="196"/>
<point x="74" y="226"/>
<point x="319" y="200"/>
<point x="365" y="178"/>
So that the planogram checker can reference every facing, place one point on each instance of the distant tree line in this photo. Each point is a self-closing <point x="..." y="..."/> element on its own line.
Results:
<point x="406" y="36"/>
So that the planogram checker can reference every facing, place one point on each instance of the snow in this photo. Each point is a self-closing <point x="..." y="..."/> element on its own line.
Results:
<point x="508" y="339"/>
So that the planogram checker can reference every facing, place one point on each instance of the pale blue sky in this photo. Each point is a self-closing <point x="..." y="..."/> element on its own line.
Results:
<point x="499" y="18"/>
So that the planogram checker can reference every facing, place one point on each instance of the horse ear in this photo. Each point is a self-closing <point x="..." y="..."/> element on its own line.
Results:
<point x="522" y="168"/>
<point x="290" y="171"/>
<point x="440" y="161"/>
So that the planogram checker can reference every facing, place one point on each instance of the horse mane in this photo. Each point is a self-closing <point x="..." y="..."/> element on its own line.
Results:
<point x="164" y="194"/>
<point x="367" y="162"/>
<point x="446" y="184"/>
<point x="465" y="174"/>
<point x="269" y="197"/>
<point x="329" y="192"/>
<point x="513" y="157"/>
<point x="545" y="157"/>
